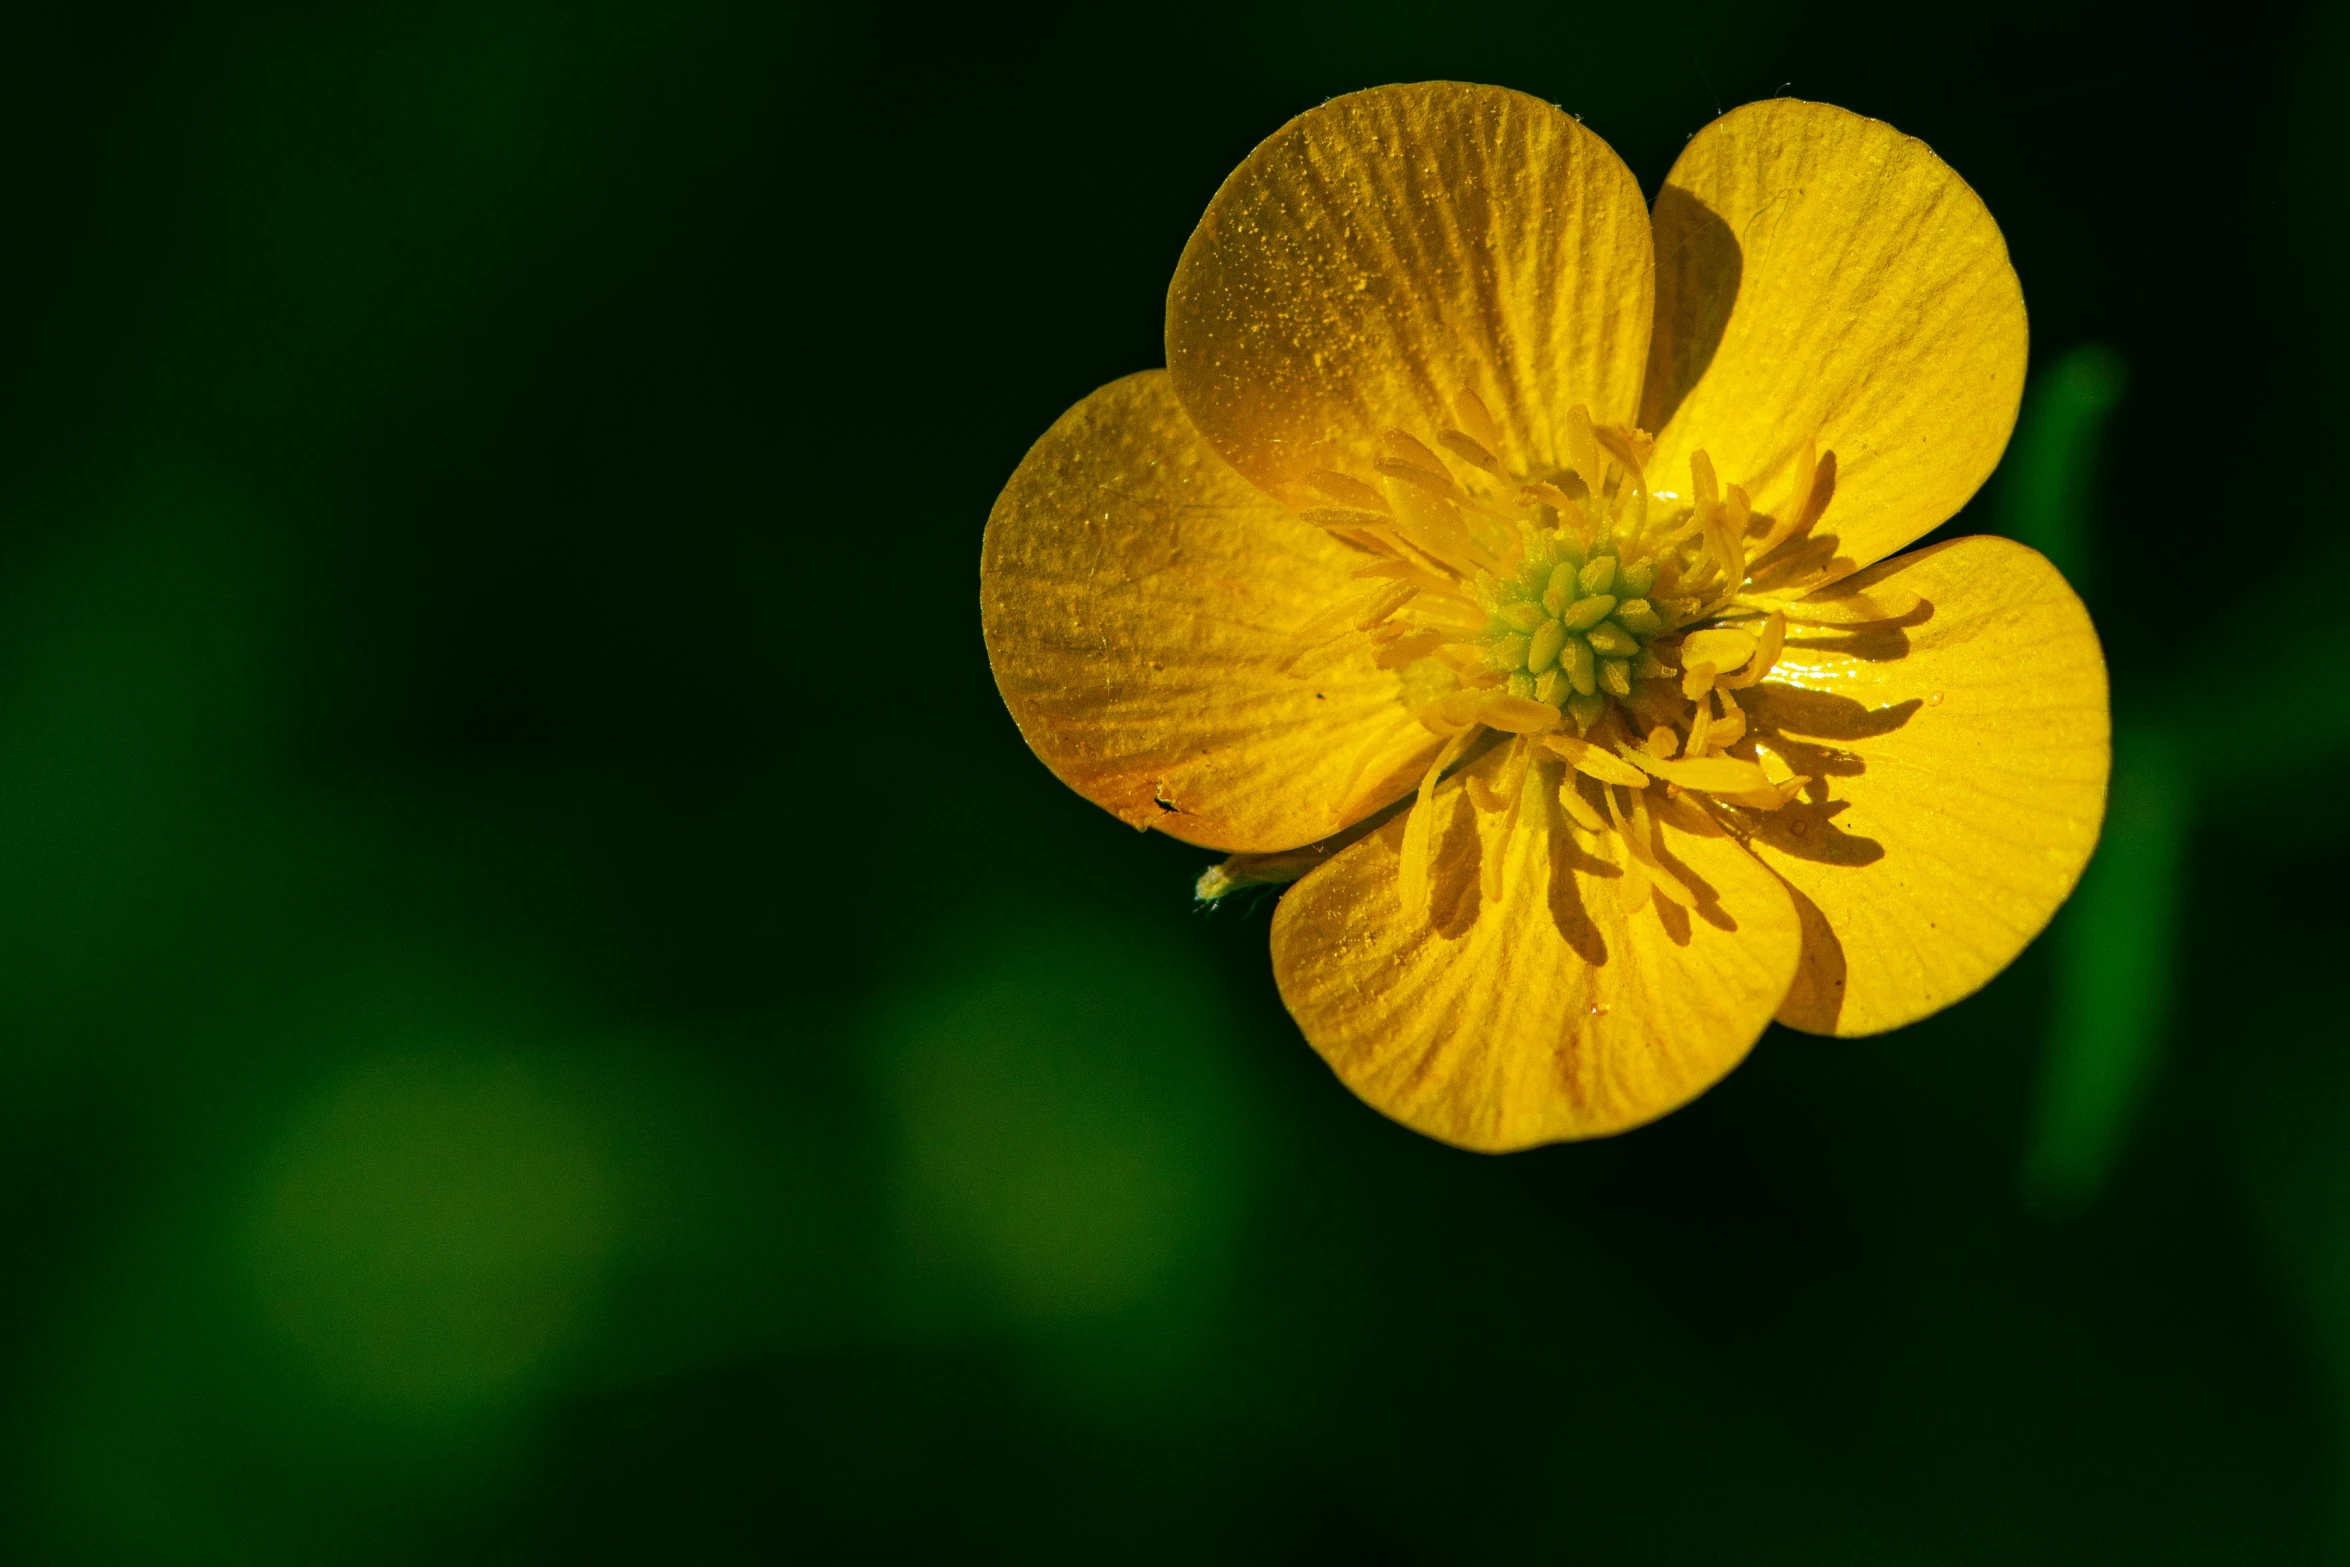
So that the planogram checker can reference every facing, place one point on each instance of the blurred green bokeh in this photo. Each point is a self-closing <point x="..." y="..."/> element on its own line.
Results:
<point x="546" y="1014"/>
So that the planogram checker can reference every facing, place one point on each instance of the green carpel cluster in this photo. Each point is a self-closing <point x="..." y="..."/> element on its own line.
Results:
<point x="1572" y="627"/>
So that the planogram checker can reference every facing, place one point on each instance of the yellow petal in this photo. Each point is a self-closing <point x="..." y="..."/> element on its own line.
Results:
<point x="1961" y="749"/>
<point x="1822" y="277"/>
<point x="1379" y="255"/>
<point x="1140" y="600"/>
<point x="1554" y="1013"/>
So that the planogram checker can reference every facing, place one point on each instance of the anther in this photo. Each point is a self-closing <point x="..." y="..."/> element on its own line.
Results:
<point x="1477" y="419"/>
<point x="1724" y="647"/>
<point x="1578" y="809"/>
<point x="1387" y="603"/>
<point x="1349" y="491"/>
<point x="1407" y="650"/>
<point x="1469" y="450"/>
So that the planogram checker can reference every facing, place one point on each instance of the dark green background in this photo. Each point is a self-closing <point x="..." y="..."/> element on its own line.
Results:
<point x="546" y="1014"/>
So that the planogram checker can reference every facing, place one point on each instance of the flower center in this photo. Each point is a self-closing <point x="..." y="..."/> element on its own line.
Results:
<point x="1571" y="627"/>
<point x="1596" y="622"/>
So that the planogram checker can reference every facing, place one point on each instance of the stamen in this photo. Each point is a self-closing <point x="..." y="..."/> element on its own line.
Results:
<point x="1345" y="519"/>
<point x="1724" y="647"/>
<point x="1582" y="450"/>
<point x="1593" y="762"/>
<point x="1496" y="844"/>
<point x="1740" y="510"/>
<point x="1453" y="713"/>
<point x="1406" y="650"/>
<point x="1552" y="496"/>
<point x="1730" y="728"/>
<point x="1404" y="571"/>
<point x="1632" y="891"/>
<point x="1469" y="450"/>
<point x="1441" y="486"/>
<point x="1477" y="419"/>
<point x="1428" y="523"/>
<point x="1707" y="774"/>
<point x="1349" y="491"/>
<point x="1518" y="715"/>
<point x="1644" y="841"/>
<point x="1815" y="480"/>
<point x="1578" y="809"/>
<point x="1334" y="621"/>
<point x="1620" y="448"/>
<point x="1454" y="609"/>
<point x="1349" y="803"/>
<point x="1419" y="830"/>
<point x="1401" y="447"/>
<point x="1700" y="729"/>
<point x="1387" y="603"/>
<point x="1766" y="652"/>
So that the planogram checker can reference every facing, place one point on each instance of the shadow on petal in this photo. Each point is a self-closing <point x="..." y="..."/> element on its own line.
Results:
<point x="1807" y="830"/>
<point x="1699" y="266"/>
<point x="1822" y="715"/>
<point x="1816" y="999"/>
<point x="1709" y="902"/>
<point x="1456" y="891"/>
<point x="1569" y="862"/>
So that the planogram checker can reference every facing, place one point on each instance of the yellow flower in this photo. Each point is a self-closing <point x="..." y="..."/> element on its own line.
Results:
<point x="1604" y="747"/>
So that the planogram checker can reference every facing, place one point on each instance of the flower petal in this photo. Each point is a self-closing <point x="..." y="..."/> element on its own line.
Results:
<point x="1824" y="278"/>
<point x="1139" y="600"/>
<point x="1954" y="724"/>
<point x="1556" y="1012"/>
<point x="1379" y="255"/>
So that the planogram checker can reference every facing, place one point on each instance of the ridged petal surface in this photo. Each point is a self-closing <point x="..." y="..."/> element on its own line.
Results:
<point x="1380" y="254"/>
<point x="1138" y="599"/>
<point x="1554" y="1013"/>
<point x="1821" y="276"/>
<point x="1955" y="723"/>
